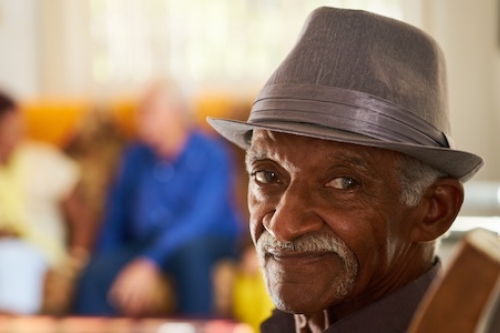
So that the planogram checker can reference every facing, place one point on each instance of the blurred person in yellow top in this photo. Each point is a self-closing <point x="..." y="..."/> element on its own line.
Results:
<point x="36" y="182"/>
<point x="251" y="302"/>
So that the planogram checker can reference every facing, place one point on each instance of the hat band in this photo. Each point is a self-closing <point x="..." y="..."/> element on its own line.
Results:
<point x="345" y="110"/>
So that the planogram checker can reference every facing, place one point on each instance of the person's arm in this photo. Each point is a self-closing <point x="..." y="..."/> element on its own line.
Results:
<point x="112" y="232"/>
<point x="81" y="223"/>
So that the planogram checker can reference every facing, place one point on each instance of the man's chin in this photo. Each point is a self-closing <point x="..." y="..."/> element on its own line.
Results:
<point x="311" y="295"/>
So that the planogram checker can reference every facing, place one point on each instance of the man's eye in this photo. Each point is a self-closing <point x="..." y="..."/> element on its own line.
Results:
<point x="342" y="183"/>
<point x="265" y="177"/>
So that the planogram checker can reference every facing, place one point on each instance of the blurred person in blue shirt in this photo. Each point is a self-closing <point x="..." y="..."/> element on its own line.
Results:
<point x="169" y="212"/>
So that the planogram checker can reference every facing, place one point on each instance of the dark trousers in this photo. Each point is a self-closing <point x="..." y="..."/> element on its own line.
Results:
<point x="191" y="267"/>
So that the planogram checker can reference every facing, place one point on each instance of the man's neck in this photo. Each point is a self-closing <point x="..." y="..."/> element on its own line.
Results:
<point x="173" y="145"/>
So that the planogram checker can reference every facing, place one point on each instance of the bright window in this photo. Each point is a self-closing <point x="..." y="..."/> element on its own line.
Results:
<point x="229" y="43"/>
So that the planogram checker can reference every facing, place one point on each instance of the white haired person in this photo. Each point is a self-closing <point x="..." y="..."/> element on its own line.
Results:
<point x="170" y="213"/>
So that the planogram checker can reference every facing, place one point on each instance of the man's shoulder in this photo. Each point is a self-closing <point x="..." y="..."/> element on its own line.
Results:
<point x="279" y="322"/>
<point x="135" y="151"/>
<point x="204" y="138"/>
<point x="210" y="144"/>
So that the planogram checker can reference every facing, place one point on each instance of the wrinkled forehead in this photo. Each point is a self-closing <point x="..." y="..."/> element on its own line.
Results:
<point x="268" y="142"/>
<point x="291" y="148"/>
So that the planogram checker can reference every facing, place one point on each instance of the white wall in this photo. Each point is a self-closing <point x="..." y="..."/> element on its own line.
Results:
<point x="65" y="48"/>
<point x="19" y="46"/>
<point x="45" y="49"/>
<point x="468" y="32"/>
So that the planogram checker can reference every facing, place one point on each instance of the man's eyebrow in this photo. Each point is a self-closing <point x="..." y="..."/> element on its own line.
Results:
<point x="253" y="155"/>
<point x="357" y="159"/>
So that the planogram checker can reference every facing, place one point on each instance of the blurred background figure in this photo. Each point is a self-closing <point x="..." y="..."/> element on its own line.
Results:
<point x="169" y="217"/>
<point x="251" y="303"/>
<point x="95" y="145"/>
<point x="36" y="202"/>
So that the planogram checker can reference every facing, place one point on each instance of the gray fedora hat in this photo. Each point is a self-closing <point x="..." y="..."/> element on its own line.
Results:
<point x="361" y="78"/>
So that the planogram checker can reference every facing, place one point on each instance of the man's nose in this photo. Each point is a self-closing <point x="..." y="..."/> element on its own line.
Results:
<point x="294" y="215"/>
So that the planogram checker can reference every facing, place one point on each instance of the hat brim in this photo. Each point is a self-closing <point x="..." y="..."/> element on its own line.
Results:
<point x="455" y="163"/>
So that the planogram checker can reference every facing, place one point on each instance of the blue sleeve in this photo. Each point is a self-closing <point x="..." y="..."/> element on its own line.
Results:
<point x="210" y="196"/>
<point x="115" y="219"/>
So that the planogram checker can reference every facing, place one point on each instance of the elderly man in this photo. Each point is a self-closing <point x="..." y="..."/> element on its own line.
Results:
<point x="353" y="175"/>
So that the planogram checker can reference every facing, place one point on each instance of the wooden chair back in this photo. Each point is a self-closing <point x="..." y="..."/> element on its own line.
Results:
<point x="466" y="299"/>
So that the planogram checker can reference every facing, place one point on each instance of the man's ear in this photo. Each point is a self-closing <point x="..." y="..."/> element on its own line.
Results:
<point x="439" y="207"/>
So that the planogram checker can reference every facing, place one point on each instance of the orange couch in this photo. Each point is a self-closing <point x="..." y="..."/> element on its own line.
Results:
<point x="55" y="120"/>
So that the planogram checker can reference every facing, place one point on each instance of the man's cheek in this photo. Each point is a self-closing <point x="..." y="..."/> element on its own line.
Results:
<point x="256" y="195"/>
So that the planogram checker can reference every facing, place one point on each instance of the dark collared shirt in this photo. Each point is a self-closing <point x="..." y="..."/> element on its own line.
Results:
<point x="391" y="314"/>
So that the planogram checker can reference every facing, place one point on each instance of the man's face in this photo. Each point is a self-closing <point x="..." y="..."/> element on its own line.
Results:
<point x="327" y="221"/>
<point x="155" y="117"/>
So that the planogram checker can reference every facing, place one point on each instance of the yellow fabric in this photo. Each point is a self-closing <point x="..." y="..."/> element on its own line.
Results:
<point x="54" y="253"/>
<point x="251" y="303"/>
<point x="12" y="200"/>
<point x="34" y="180"/>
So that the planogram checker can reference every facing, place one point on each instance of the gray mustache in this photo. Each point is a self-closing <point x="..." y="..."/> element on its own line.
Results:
<point x="312" y="242"/>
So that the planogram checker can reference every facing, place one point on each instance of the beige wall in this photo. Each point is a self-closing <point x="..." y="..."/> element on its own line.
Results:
<point x="45" y="47"/>
<point x="468" y="33"/>
<point x="46" y="50"/>
<point x="65" y="47"/>
<point x="19" y="45"/>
